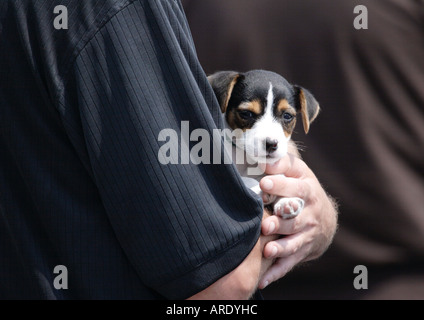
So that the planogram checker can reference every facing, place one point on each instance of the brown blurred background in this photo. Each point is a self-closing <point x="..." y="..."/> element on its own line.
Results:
<point x="367" y="145"/>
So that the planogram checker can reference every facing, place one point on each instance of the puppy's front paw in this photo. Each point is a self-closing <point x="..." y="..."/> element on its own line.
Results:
<point x="288" y="208"/>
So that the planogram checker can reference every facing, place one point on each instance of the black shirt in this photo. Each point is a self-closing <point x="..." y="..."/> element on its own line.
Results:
<point x="81" y="185"/>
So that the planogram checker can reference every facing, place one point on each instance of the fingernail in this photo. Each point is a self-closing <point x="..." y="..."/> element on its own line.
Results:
<point x="273" y="252"/>
<point x="267" y="184"/>
<point x="266" y="283"/>
<point x="271" y="228"/>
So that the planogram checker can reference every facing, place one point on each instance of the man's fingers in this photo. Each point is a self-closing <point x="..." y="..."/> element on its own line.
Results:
<point x="278" y="270"/>
<point x="290" y="166"/>
<point x="288" y="252"/>
<point x="277" y="225"/>
<point x="282" y="186"/>
<point x="284" y="247"/>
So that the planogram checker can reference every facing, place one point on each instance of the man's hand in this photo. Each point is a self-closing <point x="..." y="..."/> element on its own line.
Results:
<point x="307" y="236"/>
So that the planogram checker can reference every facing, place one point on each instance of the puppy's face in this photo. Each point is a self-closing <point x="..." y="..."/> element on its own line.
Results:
<point x="264" y="106"/>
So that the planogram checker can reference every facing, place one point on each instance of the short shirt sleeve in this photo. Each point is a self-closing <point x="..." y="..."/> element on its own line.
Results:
<point x="183" y="225"/>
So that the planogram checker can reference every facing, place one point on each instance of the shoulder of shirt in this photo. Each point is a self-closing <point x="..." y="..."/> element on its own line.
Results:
<point x="62" y="30"/>
<point x="85" y="19"/>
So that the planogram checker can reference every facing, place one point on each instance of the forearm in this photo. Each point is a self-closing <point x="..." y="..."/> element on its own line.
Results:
<point x="242" y="282"/>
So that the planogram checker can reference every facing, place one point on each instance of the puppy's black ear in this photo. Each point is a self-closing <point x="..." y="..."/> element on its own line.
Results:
<point x="223" y="84"/>
<point x="307" y="105"/>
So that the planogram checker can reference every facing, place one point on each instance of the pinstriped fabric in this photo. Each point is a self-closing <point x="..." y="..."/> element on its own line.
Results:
<point x="124" y="224"/>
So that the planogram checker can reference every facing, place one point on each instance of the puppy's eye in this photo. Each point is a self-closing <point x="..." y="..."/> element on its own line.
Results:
<point x="247" y="115"/>
<point x="287" y="117"/>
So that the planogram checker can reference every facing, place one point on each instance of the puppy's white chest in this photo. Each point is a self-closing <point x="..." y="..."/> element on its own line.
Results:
<point x="286" y="208"/>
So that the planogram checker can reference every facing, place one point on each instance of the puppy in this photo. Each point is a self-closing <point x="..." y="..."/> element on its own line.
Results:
<point x="260" y="108"/>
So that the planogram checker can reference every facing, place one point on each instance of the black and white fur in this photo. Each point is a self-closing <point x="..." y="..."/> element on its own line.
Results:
<point x="261" y="107"/>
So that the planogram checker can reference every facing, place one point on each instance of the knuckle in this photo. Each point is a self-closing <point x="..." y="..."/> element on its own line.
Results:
<point x="301" y="190"/>
<point x="288" y="250"/>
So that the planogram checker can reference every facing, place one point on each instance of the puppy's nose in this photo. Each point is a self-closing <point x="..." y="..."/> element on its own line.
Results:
<point x="271" y="145"/>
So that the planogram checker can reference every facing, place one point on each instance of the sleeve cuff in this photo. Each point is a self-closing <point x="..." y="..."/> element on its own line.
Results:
<point x="209" y="272"/>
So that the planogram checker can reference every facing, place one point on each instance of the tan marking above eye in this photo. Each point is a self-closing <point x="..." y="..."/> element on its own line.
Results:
<point x="254" y="106"/>
<point x="231" y="120"/>
<point x="284" y="106"/>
